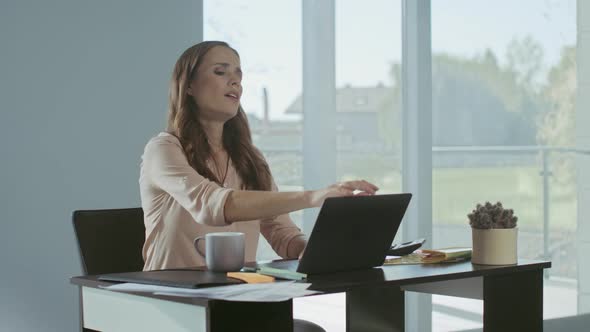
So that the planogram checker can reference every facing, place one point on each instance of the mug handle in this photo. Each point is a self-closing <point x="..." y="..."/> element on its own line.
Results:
<point x="196" y="244"/>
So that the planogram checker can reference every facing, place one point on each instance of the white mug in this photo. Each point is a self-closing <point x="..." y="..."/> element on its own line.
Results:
<point x="224" y="251"/>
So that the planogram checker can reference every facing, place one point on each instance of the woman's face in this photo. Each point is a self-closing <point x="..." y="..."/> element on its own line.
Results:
<point x="217" y="87"/>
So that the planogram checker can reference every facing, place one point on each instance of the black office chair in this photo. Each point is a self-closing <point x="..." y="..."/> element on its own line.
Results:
<point x="111" y="241"/>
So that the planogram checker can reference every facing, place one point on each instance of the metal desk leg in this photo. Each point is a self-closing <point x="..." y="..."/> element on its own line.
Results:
<point x="513" y="302"/>
<point x="375" y="309"/>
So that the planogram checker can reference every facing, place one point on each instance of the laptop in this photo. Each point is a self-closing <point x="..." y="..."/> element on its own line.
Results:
<point x="350" y="233"/>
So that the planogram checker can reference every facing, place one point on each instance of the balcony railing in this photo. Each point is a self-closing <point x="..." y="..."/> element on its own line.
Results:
<point x="540" y="155"/>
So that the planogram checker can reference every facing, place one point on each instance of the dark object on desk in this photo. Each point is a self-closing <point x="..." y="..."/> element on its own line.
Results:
<point x="351" y="233"/>
<point x="405" y="248"/>
<point x="173" y="278"/>
<point x="111" y="241"/>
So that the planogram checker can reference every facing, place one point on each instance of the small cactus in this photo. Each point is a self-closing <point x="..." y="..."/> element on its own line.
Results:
<point x="492" y="216"/>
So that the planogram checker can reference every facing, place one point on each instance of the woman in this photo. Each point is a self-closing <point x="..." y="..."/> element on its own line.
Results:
<point x="204" y="175"/>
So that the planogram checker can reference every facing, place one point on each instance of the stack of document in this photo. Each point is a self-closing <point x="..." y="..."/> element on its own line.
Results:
<point x="427" y="256"/>
<point x="259" y="292"/>
<point x="444" y="255"/>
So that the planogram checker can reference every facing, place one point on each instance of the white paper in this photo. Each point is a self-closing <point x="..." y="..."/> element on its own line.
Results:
<point x="132" y="287"/>
<point x="264" y="292"/>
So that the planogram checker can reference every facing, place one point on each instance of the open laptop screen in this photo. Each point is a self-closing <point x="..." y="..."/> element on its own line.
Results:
<point x="351" y="233"/>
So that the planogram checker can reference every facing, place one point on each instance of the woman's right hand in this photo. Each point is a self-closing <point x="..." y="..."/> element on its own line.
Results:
<point x="347" y="188"/>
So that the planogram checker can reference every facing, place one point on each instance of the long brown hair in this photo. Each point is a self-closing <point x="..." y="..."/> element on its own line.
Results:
<point x="183" y="122"/>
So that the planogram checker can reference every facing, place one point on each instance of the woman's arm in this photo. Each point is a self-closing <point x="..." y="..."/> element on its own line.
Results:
<point x="167" y="168"/>
<point x="242" y="205"/>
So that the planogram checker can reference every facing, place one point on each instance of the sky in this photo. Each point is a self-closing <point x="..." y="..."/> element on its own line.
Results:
<point x="267" y="34"/>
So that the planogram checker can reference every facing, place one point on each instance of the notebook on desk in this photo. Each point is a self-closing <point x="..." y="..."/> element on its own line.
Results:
<point x="350" y="233"/>
<point x="184" y="278"/>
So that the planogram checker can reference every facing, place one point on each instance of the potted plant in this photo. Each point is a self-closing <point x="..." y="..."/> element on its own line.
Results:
<point x="494" y="234"/>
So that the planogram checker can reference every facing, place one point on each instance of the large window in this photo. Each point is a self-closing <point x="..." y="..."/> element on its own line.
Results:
<point x="503" y="90"/>
<point x="504" y="84"/>
<point x="267" y="34"/>
<point x="368" y="92"/>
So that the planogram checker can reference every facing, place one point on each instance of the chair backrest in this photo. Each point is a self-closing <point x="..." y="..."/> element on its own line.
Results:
<point x="110" y="241"/>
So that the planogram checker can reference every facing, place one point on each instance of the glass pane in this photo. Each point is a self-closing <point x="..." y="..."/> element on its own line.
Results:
<point x="267" y="34"/>
<point x="368" y="92"/>
<point x="503" y="110"/>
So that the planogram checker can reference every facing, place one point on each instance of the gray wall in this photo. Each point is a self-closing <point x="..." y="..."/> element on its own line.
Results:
<point x="83" y="85"/>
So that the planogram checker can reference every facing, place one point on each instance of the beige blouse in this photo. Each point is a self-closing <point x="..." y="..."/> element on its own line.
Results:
<point x="179" y="205"/>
